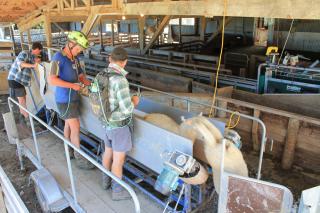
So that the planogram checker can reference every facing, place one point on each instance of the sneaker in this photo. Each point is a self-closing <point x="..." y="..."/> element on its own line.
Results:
<point x="119" y="193"/>
<point x="106" y="181"/>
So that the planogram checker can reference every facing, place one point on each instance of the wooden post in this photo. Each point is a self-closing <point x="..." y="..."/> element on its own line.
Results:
<point x="29" y="39"/>
<point x="220" y="113"/>
<point x="13" y="40"/>
<point x="203" y="28"/>
<point x="254" y="131"/>
<point x="142" y="21"/>
<point x="112" y="33"/>
<point x="290" y="146"/>
<point x="21" y="40"/>
<point x="47" y="28"/>
<point x="180" y="36"/>
<point x="101" y="35"/>
<point x="159" y="40"/>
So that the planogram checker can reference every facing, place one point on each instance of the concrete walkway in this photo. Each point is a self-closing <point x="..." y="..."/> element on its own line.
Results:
<point x="91" y="196"/>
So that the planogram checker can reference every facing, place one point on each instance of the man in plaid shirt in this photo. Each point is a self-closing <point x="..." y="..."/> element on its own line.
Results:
<point x="118" y="131"/>
<point x="19" y="75"/>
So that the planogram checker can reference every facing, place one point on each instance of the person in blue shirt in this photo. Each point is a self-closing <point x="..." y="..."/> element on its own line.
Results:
<point x="66" y="74"/>
<point x="19" y="76"/>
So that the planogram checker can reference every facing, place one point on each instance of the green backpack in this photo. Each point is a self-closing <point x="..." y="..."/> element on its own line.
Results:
<point x="99" y="95"/>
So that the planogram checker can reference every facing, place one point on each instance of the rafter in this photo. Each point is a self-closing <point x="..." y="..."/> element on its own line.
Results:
<point x="162" y="25"/>
<point x="91" y="21"/>
<point x="31" y="24"/>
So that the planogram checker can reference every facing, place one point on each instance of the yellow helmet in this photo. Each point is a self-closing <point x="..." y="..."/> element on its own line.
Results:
<point x="79" y="38"/>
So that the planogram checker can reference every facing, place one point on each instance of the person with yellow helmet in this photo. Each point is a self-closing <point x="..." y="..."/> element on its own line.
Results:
<point x="66" y="74"/>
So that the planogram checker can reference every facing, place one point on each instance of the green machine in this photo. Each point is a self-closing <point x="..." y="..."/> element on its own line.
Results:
<point x="287" y="79"/>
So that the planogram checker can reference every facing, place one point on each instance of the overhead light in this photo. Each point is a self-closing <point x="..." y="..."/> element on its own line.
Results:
<point x="123" y="17"/>
<point x="141" y="15"/>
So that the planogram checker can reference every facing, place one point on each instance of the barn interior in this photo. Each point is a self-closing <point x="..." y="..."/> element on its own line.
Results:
<point x="251" y="66"/>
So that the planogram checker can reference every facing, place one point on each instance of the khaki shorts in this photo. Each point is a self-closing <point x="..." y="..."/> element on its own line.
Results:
<point x="119" y="139"/>
<point x="65" y="112"/>
<point x="17" y="92"/>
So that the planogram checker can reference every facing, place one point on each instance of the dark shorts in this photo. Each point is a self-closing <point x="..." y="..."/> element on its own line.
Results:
<point x="119" y="139"/>
<point x="68" y="112"/>
<point x="17" y="92"/>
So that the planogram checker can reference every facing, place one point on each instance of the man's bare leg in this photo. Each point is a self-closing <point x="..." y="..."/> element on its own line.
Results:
<point x="107" y="158"/>
<point x="117" y="164"/>
<point x="74" y="126"/>
<point x="106" y="162"/>
<point x="22" y="101"/>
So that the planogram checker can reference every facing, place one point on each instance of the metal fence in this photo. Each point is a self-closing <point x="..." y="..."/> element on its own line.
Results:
<point x="67" y="145"/>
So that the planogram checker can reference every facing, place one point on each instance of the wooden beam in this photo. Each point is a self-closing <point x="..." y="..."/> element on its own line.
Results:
<point x="203" y="24"/>
<point x="6" y="51"/>
<point x="21" y="40"/>
<point x="47" y="28"/>
<point x="255" y="132"/>
<point x="68" y="18"/>
<point x="66" y="3"/>
<point x="290" y="146"/>
<point x="118" y="17"/>
<point x="72" y="4"/>
<point x="108" y="10"/>
<point x="31" y="24"/>
<point x="91" y="21"/>
<point x="180" y="34"/>
<point x="29" y="37"/>
<point x="162" y="25"/>
<point x="112" y="33"/>
<point x="286" y="9"/>
<point x="101" y="36"/>
<point x="142" y="21"/>
<point x="227" y="21"/>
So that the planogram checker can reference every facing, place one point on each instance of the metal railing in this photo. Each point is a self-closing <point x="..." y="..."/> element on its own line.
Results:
<point x="12" y="201"/>
<point x="188" y="105"/>
<point x="67" y="143"/>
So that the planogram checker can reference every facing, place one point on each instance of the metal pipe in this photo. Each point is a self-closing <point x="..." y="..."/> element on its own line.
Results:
<point x="35" y="139"/>
<point x="11" y="195"/>
<point x="32" y="98"/>
<point x="223" y="149"/>
<point x="18" y="144"/>
<point x="66" y="148"/>
<point x="259" y="73"/>
<point x="85" y="155"/>
<point x="20" y="154"/>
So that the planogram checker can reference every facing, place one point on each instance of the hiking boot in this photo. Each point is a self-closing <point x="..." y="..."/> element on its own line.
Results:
<point x="27" y="122"/>
<point x="119" y="193"/>
<point x="81" y="162"/>
<point x="21" y="118"/>
<point x="106" y="181"/>
<point x="71" y="153"/>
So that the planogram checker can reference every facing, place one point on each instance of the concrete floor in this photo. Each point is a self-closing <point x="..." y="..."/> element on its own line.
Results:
<point x="91" y="196"/>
